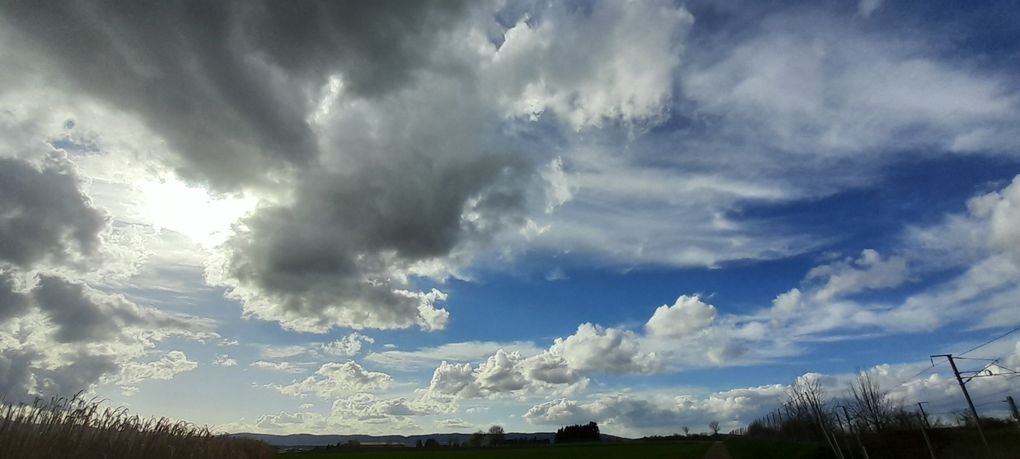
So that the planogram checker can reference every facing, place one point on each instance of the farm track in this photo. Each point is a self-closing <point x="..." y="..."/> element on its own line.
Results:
<point x="717" y="451"/>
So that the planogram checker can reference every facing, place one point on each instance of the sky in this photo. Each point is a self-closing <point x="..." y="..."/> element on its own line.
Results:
<point x="414" y="217"/>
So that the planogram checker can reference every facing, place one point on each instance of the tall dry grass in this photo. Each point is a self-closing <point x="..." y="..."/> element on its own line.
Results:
<point x="79" y="428"/>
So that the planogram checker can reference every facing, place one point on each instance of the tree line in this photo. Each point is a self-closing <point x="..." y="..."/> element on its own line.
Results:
<point x="578" y="433"/>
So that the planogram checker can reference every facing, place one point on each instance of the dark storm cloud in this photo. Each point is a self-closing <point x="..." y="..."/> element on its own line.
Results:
<point x="229" y="84"/>
<point x="330" y="255"/>
<point x="43" y="215"/>
<point x="22" y="381"/>
<point x="16" y="373"/>
<point x="12" y="302"/>
<point x="376" y="45"/>
<point x="80" y="317"/>
<point x="395" y="168"/>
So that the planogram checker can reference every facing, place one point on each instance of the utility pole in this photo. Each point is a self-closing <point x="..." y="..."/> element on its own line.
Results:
<point x="963" y="387"/>
<point x="924" y="432"/>
<point x="856" y="433"/>
<point x="924" y="416"/>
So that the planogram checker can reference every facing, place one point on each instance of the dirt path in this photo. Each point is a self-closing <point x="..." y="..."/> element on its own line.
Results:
<point x="717" y="451"/>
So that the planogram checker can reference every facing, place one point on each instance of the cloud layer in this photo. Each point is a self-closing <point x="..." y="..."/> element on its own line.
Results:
<point x="360" y="171"/>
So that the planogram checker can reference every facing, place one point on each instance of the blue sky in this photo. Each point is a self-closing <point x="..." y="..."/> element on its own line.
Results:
<point x="650" y="214"/>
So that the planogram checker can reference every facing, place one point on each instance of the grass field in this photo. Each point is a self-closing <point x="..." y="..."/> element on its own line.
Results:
<point x="950" y="444"/>
<point x="765" y="449"/>
<point x="657" y="450"/>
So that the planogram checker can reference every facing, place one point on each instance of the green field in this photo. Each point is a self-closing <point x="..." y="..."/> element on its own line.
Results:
<point x="642" y="450"/>
<point x="738" y="448"/>
<point x="765" y="449"/>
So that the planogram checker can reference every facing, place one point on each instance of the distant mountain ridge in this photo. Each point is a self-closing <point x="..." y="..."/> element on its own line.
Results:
<point x="295" y="440"/>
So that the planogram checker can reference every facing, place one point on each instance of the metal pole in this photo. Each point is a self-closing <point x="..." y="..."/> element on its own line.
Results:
<point x="963" y="386"/>
<point x="924" y="416"/>
<point x="924" y="432"/>
<point x="1012" y="408"/>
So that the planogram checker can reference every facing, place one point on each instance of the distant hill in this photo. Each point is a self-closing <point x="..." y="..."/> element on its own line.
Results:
<point x="298" y="440"/>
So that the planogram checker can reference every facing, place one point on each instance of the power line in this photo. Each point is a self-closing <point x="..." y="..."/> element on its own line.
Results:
<point x="996" y="394"/>
<point x="919" y="373"/>
<point x="990" y="341"/>
<point x="934" y="365"/>
<point x="993" y="363"/>
<point x="1007" y="369"/>
<point x="989" y="403"/>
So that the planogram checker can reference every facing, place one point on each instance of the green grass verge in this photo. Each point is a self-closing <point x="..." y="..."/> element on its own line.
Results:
<point x="642" y="450"/>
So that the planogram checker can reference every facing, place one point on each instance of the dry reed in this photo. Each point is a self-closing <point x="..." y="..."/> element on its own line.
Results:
<point x="78" y="428"/>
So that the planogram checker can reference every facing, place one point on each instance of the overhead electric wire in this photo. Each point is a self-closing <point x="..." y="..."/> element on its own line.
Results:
<point x="957" y="356"/>
<point x="919" y="373"/>
<point x="979" y="346"/>
<point x="997" y="393"/>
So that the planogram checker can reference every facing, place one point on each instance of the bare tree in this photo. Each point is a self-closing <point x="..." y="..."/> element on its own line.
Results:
<point x="805" y="416"/>
<point x="687" y="431"/>
<point x="714" y="426"/>
<point x="872" y="406"/>
<point x="477" y="439"/>
<point x="496" y="435"/>
<point x="807" y="396"/>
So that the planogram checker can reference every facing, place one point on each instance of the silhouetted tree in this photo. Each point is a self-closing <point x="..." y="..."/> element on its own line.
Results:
<point x="805" y="412"/>
<point x="714" y="427"/>
<point x="496" y="435"/>
<point x="873" y="407"/>
<point x="575" y="433"/>
<point x="526" y="441"/>
<point x="477" y="439"/>
<point x="687" y="431"/>
<point x="431" y="443"/>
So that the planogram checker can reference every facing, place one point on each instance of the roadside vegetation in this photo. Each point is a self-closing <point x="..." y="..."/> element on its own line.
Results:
<point x="868" y="422"/>
<point x="79" y="428"/>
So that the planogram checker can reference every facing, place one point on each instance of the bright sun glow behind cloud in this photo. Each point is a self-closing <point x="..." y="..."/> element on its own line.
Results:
<point x="174" y="205"/>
